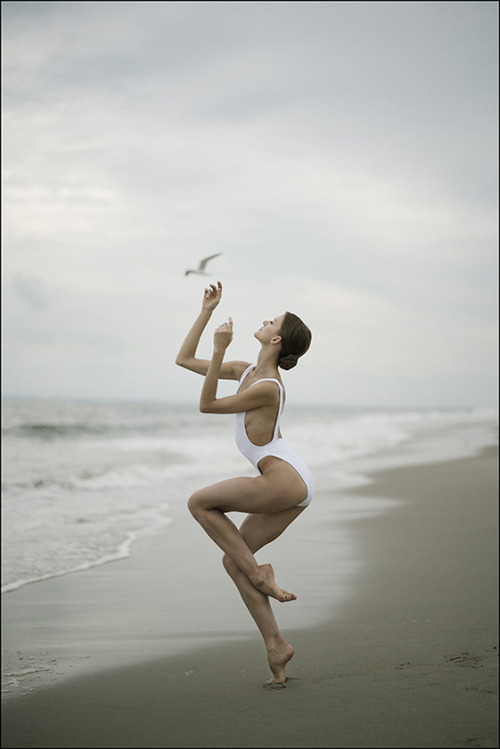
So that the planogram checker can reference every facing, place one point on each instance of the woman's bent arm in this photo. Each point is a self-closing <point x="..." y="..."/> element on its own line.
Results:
<point x="187" y="353"/>
<point x="264" y="394"/>
<point x="209" y="389"/>
<point x="222" y="338"/>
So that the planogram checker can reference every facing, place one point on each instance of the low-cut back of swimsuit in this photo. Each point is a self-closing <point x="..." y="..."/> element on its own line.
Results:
<point x="277" y="448"/>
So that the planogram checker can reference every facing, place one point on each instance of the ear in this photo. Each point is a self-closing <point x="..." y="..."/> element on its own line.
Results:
<point x="276" y="339"/>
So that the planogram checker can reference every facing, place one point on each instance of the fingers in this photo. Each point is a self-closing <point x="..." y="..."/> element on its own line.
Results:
<point x="228" y="324"/>
<point x="213" y="289"/>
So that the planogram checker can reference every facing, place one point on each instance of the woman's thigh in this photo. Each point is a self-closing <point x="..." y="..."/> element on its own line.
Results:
<point x="250" y="495"/>
<point x="260" y="529"/>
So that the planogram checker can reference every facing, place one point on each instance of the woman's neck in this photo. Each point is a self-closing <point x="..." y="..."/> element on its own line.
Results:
<point x="266" y="364"/>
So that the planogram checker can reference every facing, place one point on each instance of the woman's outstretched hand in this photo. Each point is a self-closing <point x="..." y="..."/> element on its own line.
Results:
<point x="212" y="296"/>
<point x="223" y="335"/>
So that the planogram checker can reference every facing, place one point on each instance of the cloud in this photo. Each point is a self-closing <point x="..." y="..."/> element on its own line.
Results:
<point x="341" y="156"/>
<point x="31" y="290"/>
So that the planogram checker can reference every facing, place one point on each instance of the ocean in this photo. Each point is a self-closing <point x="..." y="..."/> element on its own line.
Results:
<point x="81" y="481"/>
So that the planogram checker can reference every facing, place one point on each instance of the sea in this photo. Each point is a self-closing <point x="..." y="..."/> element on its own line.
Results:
<point x="82" y="481"/>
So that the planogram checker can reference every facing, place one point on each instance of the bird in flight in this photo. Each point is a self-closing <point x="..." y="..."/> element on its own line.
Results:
<point x="201" y="268"/>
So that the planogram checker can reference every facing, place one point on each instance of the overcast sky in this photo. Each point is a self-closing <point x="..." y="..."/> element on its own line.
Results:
<point x="342" y="156"/>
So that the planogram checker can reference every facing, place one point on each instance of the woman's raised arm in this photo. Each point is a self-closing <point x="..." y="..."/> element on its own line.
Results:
<point x="187" y="353"/>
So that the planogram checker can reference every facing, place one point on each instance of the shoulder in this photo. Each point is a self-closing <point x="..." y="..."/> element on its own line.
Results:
<point x="271" y="388"/>
<point x="237" y="368"/>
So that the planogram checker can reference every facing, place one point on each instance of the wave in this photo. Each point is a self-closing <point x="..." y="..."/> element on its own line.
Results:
<point x="51" y="431"/>
<point x="61" y="420"/>
<point x="121" y="550"/>
<point x="81" y="482"/>
<point x="121" y="477"/>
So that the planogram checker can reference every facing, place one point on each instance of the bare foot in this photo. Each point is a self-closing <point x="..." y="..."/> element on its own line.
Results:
<point x="278" y="658"/>
<point x="268" y="585"/>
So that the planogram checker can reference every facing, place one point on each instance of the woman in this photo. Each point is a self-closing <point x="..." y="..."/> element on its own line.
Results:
<point x="284" y="486"/>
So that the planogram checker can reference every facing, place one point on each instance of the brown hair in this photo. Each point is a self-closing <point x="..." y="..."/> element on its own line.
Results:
<point x="295" y="340"/>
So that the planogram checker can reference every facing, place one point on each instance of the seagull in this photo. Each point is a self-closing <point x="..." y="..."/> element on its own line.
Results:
<point x="201" y="268"/>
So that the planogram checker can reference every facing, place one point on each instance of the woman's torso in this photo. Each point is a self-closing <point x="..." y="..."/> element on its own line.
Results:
<point x="262" y="424"/>
<point x="265" y="426"/>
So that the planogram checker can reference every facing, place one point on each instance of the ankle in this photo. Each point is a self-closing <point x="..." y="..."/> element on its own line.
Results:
<point x="256" y="575"/>
<point x="274" y="642"/>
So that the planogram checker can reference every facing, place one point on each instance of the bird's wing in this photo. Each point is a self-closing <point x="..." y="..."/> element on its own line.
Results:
<point x="206" y="259"/>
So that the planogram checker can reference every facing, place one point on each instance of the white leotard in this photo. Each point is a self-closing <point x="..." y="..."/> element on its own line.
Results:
<point x="277" y="448"/>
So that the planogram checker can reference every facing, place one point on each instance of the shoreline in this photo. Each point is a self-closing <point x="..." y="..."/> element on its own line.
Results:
<point x="405" y="657"/>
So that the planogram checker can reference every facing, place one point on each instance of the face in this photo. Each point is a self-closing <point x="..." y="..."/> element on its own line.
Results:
<point x="270" y="329"/>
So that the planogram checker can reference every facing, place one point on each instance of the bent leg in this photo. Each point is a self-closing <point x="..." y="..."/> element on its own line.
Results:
<point x="254" y="495"/>
<point x="257" y="531"/>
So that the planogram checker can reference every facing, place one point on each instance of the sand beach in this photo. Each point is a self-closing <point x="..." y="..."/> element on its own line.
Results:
<point x="399" y="649"/>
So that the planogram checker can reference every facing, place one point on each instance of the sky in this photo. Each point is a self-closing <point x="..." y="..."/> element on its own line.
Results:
<point x="341" y="156"/>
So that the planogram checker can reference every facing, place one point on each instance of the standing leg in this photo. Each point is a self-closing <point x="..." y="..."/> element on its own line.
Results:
<point x="259" y="530"/>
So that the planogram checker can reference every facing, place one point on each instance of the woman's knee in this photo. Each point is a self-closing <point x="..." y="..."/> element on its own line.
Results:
<point x="195" y="502"/>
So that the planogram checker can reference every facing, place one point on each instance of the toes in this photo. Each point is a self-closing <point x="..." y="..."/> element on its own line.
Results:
<point x="273" y="684"/>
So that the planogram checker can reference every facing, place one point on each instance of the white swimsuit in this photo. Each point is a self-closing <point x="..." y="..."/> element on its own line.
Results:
<point x="277" y="448"/>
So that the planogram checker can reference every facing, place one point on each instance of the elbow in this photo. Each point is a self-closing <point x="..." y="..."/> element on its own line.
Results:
<point x="180" y="362"/>
<point x="204" y="408"/>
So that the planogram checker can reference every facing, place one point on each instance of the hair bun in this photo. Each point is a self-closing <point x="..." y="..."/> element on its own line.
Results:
<point x="288" y="361"/>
